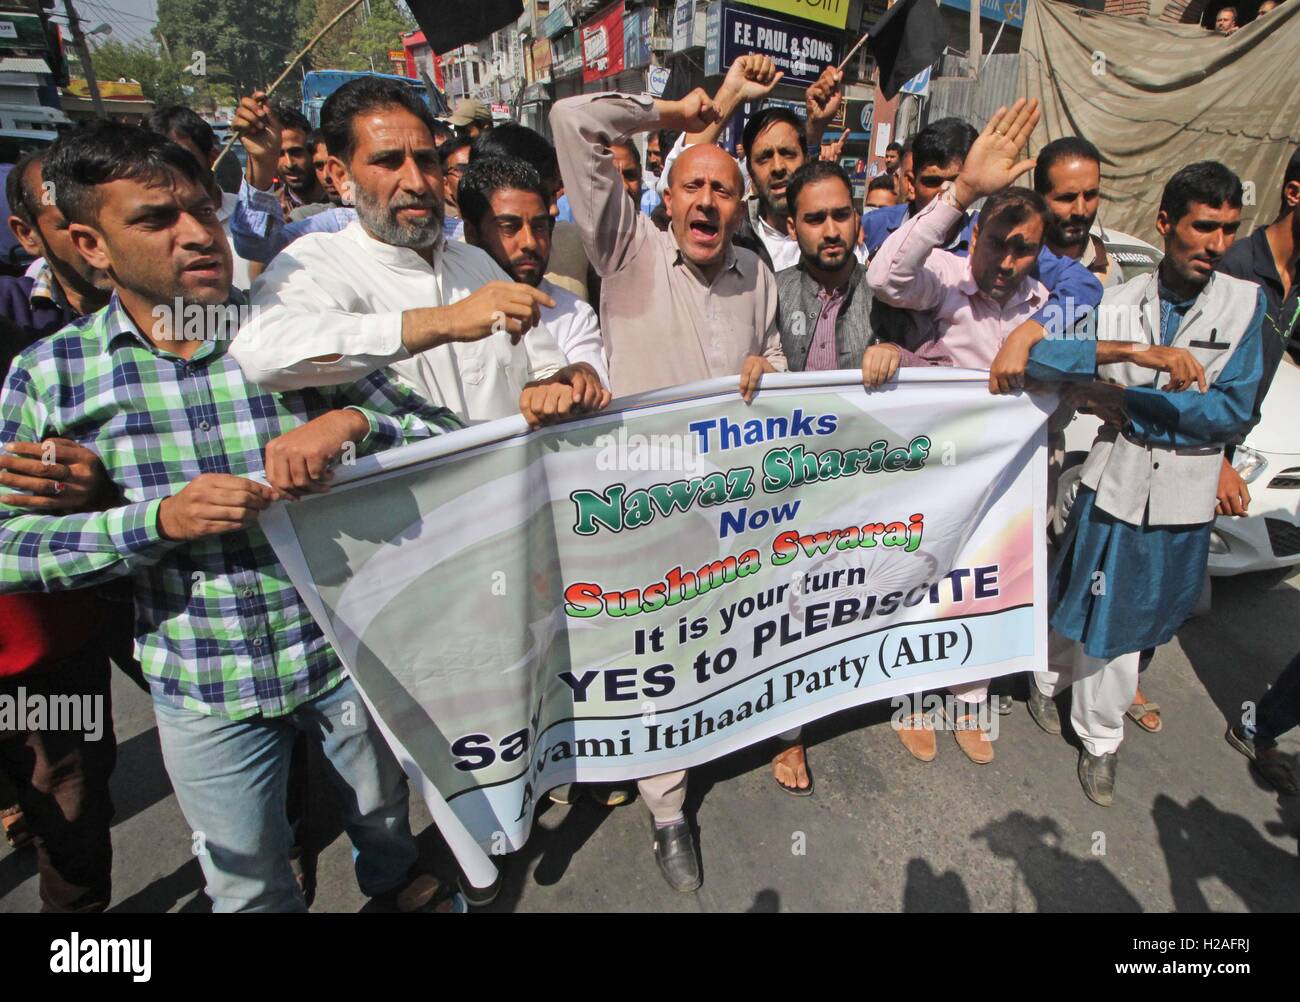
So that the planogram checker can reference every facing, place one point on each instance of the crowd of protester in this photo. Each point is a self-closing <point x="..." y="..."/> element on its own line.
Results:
<point x="399" y="277"/>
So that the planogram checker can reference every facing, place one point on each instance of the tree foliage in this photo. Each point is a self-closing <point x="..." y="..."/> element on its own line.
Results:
<point x="162" y="80"/>
<point x="362" y="36"/>
<point x="213" y="50"/>
<point x="245" y="43"/>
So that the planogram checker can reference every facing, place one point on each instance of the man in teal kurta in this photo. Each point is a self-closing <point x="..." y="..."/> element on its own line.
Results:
<point x="1131" y="563"/>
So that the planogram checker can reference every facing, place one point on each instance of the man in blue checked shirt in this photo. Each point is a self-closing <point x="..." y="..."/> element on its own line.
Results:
<point x="235" y="663"/>
<point x="257" y="225"/>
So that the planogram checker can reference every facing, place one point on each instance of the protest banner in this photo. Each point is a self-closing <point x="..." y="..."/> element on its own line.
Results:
<point x="674" y="579"/>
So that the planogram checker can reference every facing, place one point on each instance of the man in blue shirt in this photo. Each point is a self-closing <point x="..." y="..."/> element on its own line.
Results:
<point x="938" y="152"/>
<point x="257" y="226"/>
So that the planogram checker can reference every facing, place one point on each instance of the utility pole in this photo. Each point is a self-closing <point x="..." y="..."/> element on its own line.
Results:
<point x="79" y="42"/>
<point x="976" y="40"/>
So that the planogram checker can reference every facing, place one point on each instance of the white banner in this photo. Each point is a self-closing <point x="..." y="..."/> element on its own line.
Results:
<point x="674" y="579"/>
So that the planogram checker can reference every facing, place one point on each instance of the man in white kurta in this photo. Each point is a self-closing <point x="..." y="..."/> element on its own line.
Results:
<point x="342" y="296"/>
<point x="389" y="291"/>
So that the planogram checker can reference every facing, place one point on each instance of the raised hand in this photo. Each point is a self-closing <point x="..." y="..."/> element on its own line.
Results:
<point x="693" y="113"/>
<point x="992" y="163"/>
<point x="824" y="98"/>
<point x="752" y="77"/>
<point x="834" y="150"/>
<point x="259" y="131"/>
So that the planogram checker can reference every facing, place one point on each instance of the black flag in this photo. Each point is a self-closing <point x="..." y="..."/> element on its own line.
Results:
<point x="910" y="37"/>
<point x="448" y="24"/>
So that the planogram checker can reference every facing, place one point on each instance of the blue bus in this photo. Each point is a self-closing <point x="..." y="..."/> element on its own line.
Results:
<point x="320" y="84"/>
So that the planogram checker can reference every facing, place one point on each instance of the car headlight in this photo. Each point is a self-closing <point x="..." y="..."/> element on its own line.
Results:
<point x="1248" y="463"/>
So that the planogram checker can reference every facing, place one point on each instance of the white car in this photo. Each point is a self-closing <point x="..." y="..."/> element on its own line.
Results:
<point x="1269" y="460"/>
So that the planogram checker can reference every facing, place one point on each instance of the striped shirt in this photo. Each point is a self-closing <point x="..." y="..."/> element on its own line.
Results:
<point x="822" y="351"/>
<point x="219" y="627"/>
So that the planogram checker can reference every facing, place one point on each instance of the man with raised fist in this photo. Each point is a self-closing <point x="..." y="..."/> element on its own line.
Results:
<point x="713" y="313"/>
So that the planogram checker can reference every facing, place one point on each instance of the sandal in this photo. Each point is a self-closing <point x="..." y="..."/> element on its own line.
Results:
<point x="971" y="738"/>
<point x="794" y="791"/>
<point x="1140" y="711"/>
<point x="17" y="834"/>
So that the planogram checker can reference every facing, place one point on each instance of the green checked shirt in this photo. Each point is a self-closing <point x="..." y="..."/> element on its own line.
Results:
<point x="219" y="627"/>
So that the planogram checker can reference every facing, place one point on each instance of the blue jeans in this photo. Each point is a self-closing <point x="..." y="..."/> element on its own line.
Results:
<point x="231" y="778"/>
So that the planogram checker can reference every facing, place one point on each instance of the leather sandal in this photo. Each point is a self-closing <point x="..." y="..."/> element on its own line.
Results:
<point x="917" y="734"/>
<point x="794" y="791"/>
<point x="1138" y="711"/>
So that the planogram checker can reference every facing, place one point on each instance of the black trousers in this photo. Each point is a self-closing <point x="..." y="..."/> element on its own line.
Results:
<point x="61" y="780"/>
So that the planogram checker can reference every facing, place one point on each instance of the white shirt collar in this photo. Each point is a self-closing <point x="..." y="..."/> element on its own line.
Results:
<point x="403" y="258"/>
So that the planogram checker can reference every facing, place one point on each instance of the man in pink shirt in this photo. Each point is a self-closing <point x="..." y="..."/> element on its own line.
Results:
<point x="971" y="304"/>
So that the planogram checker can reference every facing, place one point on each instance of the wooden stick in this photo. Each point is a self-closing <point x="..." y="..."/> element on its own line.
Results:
<point x="234" y="136"/>
<point x="853" y="51"/>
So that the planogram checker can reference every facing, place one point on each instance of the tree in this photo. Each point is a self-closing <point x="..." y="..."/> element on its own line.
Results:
<point x="161" y="79"/>
<point x="359" y="38"/>
<point x="244" y="43"/>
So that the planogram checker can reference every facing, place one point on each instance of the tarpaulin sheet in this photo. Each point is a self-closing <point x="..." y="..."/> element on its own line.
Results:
<point x="1155" y="96"/>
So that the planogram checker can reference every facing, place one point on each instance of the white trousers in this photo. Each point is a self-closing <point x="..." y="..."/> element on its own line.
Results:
<point x="1101" y="690"/>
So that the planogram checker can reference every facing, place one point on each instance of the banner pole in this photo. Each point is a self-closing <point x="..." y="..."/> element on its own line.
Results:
<point x="853" y="51"/>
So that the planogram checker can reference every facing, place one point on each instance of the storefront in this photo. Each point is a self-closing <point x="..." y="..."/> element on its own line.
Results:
<point x="603" y="64"/>
<point x="566" y="64"/>
<point x="534" y="106"/>
<point x="800" y="49"/>
<point x="638" y="24"/>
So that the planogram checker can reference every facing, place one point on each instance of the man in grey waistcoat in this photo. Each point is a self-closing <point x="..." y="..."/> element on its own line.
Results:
<point x="828" y="319"/>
